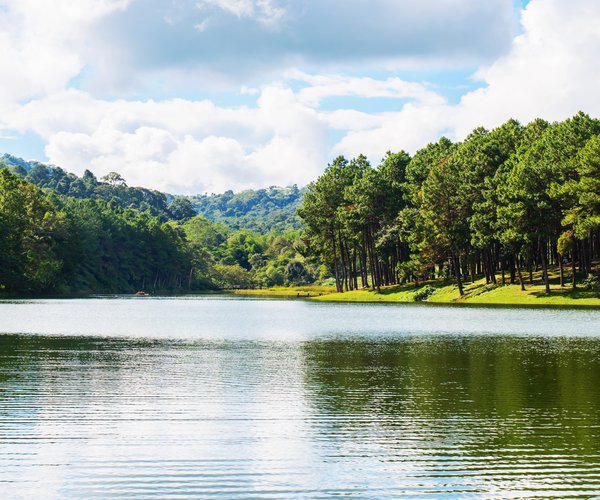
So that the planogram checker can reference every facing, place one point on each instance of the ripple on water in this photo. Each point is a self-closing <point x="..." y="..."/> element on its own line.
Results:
<point x="501" y="416"/>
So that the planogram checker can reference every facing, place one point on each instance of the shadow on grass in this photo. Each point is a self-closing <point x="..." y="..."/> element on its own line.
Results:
<point x="410" y="287"/>
<point x="568" y="294"/>
<point x="396" y="289"/>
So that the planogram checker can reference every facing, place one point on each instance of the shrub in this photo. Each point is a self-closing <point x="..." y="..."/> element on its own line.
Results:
<point x="591" y="282"/>
<point x="423" y="293"/>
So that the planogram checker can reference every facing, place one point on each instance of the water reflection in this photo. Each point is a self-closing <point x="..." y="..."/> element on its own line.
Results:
<point x="497" y="416"/>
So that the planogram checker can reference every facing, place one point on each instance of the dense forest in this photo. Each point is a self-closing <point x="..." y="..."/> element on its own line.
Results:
<point x="500" y="204"/>
<point x="63" y="234"/>
<point x="260" y="210"/>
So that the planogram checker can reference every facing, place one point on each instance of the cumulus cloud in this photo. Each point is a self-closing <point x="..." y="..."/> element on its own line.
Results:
<point x="227" y="41"/>
<point x="265" y="11"/>
<point x="180" y="145"/>
<point x="39" y="43"/>
<point x="549" y="72"/>
<point x="287" y="130"/>
<point x="320" y="87"/>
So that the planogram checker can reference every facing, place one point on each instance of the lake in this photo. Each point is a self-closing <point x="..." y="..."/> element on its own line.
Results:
<point x="225" y="397"/>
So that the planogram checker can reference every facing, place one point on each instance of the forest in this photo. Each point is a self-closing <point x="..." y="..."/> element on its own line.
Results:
<point x="500" y="204"/>
<point x="61" y="234"/>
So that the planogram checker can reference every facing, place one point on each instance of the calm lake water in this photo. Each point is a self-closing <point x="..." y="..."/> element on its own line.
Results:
<point x="200" y="397"/>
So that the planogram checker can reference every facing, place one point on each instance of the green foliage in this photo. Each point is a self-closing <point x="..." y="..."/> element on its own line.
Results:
<point x="232" y="276"/>
<point x="32" y="235"/>
<point x="591" y="282"/>
<point x="181" y="209"/>
<point x="296" y="273"/>
<point x="423" y="293"/>
<point x="507" y="201"/>
<point x="502" y="200"/>
<point x="262" y="210"/>
<point x="112" y="188"/>
<point x="117" y="250"/>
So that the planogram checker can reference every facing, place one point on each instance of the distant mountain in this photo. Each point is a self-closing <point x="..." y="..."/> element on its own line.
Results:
<point x="112" y="188"/>
<point x="14" y="161"/>
<point x="260" y="210"/>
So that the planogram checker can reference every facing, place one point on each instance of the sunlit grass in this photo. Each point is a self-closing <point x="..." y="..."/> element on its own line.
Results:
<point x="447" y="292"/>
<point x="308" y="291"/>
<point x="476" y="293"/>
<point x="387" y="294"/>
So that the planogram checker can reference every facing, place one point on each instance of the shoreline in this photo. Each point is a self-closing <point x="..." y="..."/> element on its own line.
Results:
<point x="430" y="293"/>
<point x="476" y="294"/>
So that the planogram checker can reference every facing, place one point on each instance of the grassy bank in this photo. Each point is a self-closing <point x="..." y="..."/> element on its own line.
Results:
<point x="304" y="292"/>
<point x="475" y="293"/>
<point x="447" y="293"/>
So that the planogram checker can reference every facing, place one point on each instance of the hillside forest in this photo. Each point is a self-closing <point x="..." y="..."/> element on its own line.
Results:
<point x="501" y="204"/>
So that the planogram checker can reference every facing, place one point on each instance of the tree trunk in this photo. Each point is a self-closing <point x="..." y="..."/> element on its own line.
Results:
<point x="338" y="285"/>
<point x="456" y="265"/>
<point x="374" y="281"/>
<point x="363" y="263"/>
<point x="354" y="271"/>
<point x="518" y="266"/>
<point x="545" y="268"/>
<point x="589" y="256"/>
<point x="343" y="259"/>
<point x="492" y="267"/>
<point x="512" y="270"/>
<point x="573" y="270"/>
<point x="561" y="269"/>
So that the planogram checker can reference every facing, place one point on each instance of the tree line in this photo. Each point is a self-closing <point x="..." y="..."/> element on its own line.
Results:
<point x="52" y="242"/>
<point x="502" y="203"/>
<point x="260" y="210"/>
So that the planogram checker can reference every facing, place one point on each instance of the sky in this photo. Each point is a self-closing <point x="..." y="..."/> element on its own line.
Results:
<point x="201" y="96"/>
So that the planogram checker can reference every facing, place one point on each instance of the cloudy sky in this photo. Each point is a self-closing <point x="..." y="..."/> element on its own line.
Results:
<point x="194" y="96"/>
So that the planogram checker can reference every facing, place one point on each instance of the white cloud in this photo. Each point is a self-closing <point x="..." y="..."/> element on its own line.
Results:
<point x="323" y="86"/>
<point x="265" y="11"/>
<point x="39" y="43"/>
<point x="202" y="25"/>
<point x="283" y="135"/>
<point x="410" y="129"/>
<point x="550" y="72"/>
<point x="180" y="145"/>
<point x="242" y="41"/>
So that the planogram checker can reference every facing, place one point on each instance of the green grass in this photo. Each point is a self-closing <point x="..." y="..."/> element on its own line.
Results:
<point x="308" y="291"/>
<point x="447" y="293"/>
<point x="402" y="293"/>
<point x="475" y="293"/>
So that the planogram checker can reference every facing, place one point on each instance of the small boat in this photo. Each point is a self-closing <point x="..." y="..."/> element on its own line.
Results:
<point x="140" y="293"/>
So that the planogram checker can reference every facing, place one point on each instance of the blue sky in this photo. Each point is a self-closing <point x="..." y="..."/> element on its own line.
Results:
<point x="193" y="96"/>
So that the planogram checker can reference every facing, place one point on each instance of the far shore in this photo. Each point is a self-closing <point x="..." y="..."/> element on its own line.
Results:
<point x="477" y="293"/>
<point x="431" y="292"/>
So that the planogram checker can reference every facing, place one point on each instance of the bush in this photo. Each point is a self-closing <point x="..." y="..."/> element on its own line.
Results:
<point x="296" y="273"/>
<point x="328" y="282"/>
<point x="274" y="276"/>
<point x="591" y="282"/>
<point x="423" y="293"/>
<point x="227" y="276"/>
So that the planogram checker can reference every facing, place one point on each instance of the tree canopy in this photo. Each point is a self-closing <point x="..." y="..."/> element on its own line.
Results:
<point x="506" y="201"/>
